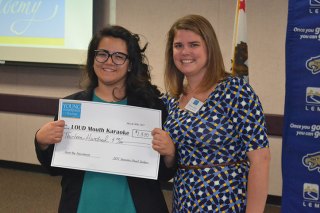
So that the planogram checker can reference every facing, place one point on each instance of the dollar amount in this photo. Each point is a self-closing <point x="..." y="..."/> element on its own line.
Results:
<point x="141" y="134"/>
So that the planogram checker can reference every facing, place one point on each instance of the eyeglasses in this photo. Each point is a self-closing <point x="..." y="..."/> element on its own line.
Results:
<point x="118" y="58"/>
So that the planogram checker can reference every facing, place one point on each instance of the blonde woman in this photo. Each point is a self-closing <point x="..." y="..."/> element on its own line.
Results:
<point x="215" y="131"/>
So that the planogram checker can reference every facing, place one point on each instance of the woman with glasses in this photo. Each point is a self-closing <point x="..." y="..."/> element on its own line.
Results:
<point x="116" y="72"/>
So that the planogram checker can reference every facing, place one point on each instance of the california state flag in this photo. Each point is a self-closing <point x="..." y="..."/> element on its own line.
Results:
<point x="240" y="48"/>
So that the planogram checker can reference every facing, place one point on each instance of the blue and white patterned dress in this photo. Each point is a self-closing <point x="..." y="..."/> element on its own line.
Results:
<point x="228" y="125"/>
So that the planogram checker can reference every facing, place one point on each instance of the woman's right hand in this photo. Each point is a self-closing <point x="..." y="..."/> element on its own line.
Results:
<point x="50" y="133"/>
<point x="163" y="144"/>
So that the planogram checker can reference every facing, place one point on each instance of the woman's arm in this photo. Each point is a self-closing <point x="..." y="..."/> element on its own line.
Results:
<point x="258" y="180"/>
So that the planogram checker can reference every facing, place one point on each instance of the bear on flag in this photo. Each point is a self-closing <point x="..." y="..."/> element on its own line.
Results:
<point x="240" y="48"/>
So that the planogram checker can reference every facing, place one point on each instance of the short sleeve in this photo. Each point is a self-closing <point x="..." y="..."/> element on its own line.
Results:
<point x="165" y="98"/>
<point x="167" y="101"/>
<point x="247" y="115"/>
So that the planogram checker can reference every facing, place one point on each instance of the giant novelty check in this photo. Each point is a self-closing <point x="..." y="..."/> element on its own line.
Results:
<point x="107" y="138"/>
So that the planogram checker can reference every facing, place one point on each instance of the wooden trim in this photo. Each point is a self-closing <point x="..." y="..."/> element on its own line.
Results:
<point x="274" y="124"/>
<point x="48" y="106"/>
<point x="22" y="166"/>
<point x="274" y="200"/>
<point x="28" y="104"/>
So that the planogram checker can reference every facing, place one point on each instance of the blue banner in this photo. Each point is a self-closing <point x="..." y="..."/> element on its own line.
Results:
<point x="301" y="141"/>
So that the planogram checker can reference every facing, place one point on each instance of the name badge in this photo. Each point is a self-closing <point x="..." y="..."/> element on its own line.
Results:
<point x="193" y="105"/>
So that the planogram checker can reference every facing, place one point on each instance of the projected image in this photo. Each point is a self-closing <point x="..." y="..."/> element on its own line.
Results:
<point x="45" y="31"/>
<point x="32" y="22"/>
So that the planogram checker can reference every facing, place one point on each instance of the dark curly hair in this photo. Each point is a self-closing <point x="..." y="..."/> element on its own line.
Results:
<point x="138" y="81"/>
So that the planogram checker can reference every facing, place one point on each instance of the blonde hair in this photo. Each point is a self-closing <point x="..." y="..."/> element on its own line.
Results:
<point x="215" y="67"/>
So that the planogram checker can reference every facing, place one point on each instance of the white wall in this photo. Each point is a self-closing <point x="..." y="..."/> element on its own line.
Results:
<point x="17" y="130"/>
<point x="152" y="19"/>
<point x="266" y="45"/>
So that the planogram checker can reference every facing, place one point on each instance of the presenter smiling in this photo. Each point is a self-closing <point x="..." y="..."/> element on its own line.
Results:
<point x="116" y="72"/>
<point x="215" y="122"/>
<point x="111" y="67"/>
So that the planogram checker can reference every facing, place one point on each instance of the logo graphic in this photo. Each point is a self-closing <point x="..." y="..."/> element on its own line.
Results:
<point x="312" y="161"/>
<point x="311" y="191"/>
<point x="313" y="95"/>
<point x="196" y="102"/>
<point x="312" y="99"/>
<point x="315" y="3"/>
<point x="314" y="6"/>
<point x="71" y="110"/>
<point x="313" y="64"/>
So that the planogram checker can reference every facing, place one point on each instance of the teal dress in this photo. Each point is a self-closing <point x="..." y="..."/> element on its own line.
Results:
<point x="105" y="192"/>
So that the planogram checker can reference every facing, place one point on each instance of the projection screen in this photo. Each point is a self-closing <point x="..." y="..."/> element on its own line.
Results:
<point x="45" y="31"/>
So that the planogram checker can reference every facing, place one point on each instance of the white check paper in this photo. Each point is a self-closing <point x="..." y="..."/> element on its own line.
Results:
<point x="107" y="138"/>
